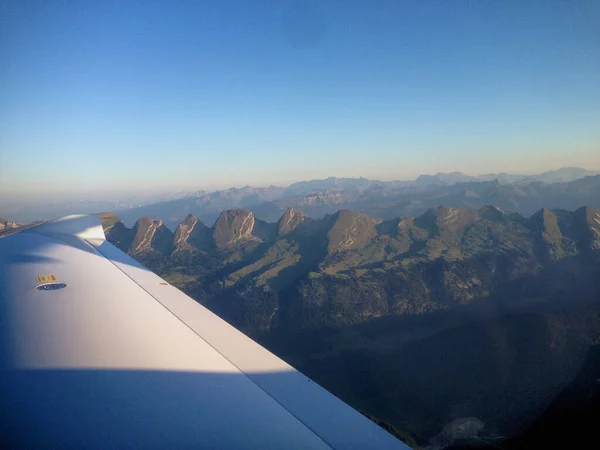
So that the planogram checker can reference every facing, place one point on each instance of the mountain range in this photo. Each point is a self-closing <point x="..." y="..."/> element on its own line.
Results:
<point x="454" y="316"/>
<point x="566" y="188"/>
<point x="386" y="199"/>
<point x="7" y="224"/>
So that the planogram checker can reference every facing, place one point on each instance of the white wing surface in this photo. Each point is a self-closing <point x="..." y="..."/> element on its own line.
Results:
<point x="96" y="351"/>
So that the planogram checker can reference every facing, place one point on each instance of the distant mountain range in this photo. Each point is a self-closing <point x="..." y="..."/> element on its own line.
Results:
<point x="316" y="197"/>
<point x="566" y="188"/>
<point x="27" y="211"/>
<point x="564" y="175"/>
<point x="454" y="316"/>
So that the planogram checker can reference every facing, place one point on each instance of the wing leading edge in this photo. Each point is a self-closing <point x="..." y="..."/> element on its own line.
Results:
<point x="121" y="358"/>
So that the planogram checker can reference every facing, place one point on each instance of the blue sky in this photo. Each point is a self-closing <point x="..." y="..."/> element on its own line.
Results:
<point x="135" y="95"/>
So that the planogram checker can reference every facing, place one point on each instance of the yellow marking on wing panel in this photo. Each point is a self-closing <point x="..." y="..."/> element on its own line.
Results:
<point x="50" y="278"/>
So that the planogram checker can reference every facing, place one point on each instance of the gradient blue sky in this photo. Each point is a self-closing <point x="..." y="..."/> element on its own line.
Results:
<point x="130" y="95"/>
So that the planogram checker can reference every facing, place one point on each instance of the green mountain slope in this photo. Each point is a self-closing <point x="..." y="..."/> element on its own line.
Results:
<point x="457" y="316"/>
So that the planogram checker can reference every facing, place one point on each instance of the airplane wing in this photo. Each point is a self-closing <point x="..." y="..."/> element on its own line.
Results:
<point x="96" y="351"/>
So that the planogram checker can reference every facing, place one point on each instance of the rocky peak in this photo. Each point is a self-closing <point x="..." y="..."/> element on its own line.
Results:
<point x="591" y="215"/>
<point x="191" y="234"/>
<point x="184" y="229"/>
<point x="350" y="230"/>
<point x="150" y="235"/>
<point x="233" y="225"/>
<point x="446" y="218"/>
<point x="546" y="222"/>
<point x="544" y="218"/>
<point x="289" y="221"/>
<point x="6" y="224"/>
<point x="108" y="220"/>
<point x="555" y="234"/>
<point x="118" y="234"/>
<point x="491" y="213"/>
<point x="588" y="224"/>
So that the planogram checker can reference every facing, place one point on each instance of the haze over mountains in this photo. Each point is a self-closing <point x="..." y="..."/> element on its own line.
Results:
<point x="27" y="210"/>
<point x="566" y="188"/>
<point x="385" y="199"/>
<point x="457" y="314"/>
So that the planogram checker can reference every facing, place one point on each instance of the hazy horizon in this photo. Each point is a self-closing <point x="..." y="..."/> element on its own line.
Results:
<point x="137" y="97"/>
<point x="157" y="194"/>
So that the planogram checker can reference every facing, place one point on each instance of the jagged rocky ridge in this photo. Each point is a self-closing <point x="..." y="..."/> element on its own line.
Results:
<point x="418" y="321"/>
<point x="444" y="258"/>
<point x="7" y="224"/>
<point x="233" y="227"/>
